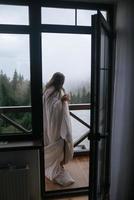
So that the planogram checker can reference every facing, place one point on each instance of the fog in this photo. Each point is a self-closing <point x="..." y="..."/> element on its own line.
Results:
<point x="66" y="53"/>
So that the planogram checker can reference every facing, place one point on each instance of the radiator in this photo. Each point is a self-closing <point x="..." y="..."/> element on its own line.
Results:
<point x="14" y="183"/>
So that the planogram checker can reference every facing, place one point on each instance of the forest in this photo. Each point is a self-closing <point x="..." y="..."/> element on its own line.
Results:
<point x="16" y="92"/>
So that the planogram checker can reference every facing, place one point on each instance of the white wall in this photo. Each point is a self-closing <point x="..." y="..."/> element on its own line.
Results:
<point x="122" y="160"/>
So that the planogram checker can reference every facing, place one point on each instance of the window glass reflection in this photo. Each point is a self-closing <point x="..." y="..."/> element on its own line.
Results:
<point x="58" y="16"/>
<point x="15" y="83"/>
<point x="104" y="13"/>
<point x="17" y="15"/>
<point x="84" y="17"/>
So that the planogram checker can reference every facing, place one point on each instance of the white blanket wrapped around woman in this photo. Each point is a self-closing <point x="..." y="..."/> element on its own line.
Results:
<point x="57" y="136"/>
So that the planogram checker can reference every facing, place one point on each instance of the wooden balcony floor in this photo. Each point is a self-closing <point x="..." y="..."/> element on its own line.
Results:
<point x="79" y="170"/>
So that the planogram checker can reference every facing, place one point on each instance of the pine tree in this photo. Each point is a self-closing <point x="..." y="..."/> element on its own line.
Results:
<point x="15" y="80"/>
<point x="6" y="94"/>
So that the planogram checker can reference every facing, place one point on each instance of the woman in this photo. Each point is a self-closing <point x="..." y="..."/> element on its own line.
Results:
<point x="57" y="131"/>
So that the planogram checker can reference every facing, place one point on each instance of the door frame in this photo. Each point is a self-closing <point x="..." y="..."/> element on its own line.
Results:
<point x="71" y="30"/>
<point x="98" y="21"/>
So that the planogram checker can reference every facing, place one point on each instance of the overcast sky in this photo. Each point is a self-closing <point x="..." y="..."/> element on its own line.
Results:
<point x="67" y="53"/>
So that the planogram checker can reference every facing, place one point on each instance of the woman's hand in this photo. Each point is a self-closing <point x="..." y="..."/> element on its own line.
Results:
<point x="65" y="97"/>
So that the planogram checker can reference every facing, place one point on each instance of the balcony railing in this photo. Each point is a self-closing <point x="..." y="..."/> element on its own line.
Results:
<point x="27" y="109"/>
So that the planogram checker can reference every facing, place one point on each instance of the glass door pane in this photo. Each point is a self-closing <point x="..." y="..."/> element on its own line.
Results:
<point x="100" y="112"/>
<point x="70" y="54"/>
<point x="60" y="16"/>
<point x="103" y="114"/>
<point x="15" y="90"/>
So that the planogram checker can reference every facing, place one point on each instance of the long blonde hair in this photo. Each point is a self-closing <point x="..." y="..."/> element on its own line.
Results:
<point x="56" y="81"/>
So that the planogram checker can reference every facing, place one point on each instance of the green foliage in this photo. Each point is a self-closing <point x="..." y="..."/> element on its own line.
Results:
<point x="15" y="92"/>
<point x="6" y="95"/>
<point x="80" y="96"/>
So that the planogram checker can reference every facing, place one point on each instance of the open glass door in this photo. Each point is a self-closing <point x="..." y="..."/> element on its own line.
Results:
<point x="100" y="109"/>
